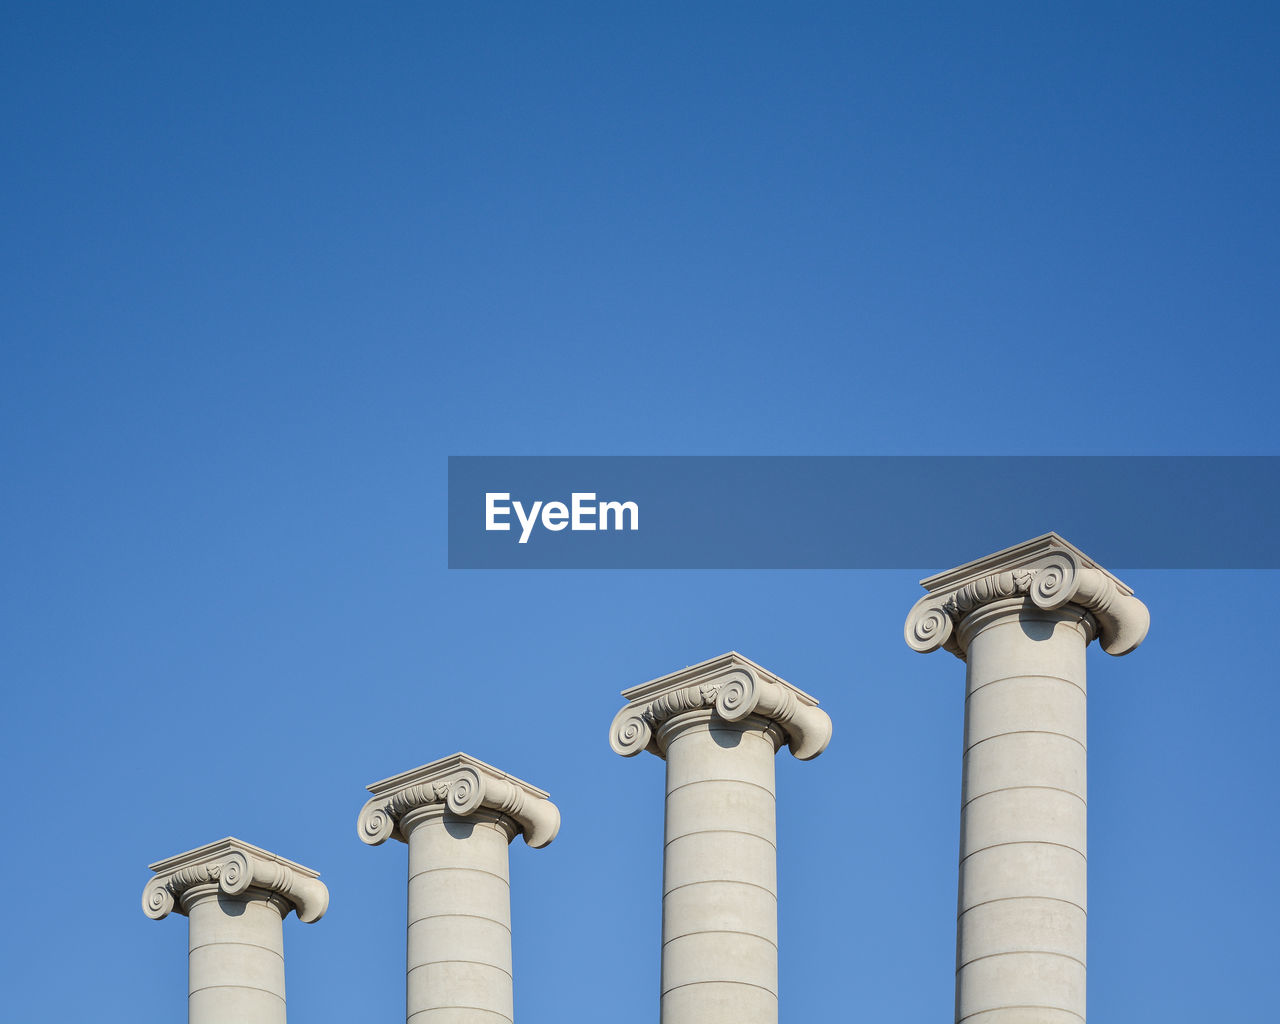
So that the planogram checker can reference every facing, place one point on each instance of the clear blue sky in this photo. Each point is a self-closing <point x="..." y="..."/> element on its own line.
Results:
<point x="265" y="267"/>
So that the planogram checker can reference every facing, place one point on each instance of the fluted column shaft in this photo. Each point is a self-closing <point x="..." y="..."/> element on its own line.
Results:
<point x="235" y="961"/>
<point x="1020" y="948"/>
<point x="458" y="966"/>
<point x="719" y="899"/>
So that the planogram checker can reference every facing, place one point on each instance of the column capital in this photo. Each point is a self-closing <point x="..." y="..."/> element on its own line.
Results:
<point x="233" y="867"/>
<point x="461" y="784"/>
<point x="1048" y="571"/>
<point x="733" y="688"/>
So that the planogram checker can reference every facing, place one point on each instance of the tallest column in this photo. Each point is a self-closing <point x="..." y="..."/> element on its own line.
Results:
<point x="1021" y="619"/>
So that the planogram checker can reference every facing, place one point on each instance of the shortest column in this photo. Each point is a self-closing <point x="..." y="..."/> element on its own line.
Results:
<point x="235" y="897"/>
<point x="458" y="815"/>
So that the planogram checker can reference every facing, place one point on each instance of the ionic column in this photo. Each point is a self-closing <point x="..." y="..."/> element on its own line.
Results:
<point x="718" y="726"/>
<point x="235" y="897"/>
<point x="458" y="816"/>
<point x="1021" y="619"/>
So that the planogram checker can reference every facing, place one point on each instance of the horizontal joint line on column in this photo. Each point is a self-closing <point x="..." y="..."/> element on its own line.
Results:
<point x="721" y="881"/>
<point x="479" y="871"/>
<point x="747" y="984"/>
<point x="233" y="942"/>
<point x="474" y="917"/>
<point x="477" y="963"/>
<point x="720" y="931"/>
<point x="1005" y="899"/>
<point x="1019" y="1006"/>
<point x="1020" y="952"/>
<point x="436" y="1009"/>
<point x="1027" y="732"/>
<point x="1025" y="842"/>
<point x="242" y="988"/>
<point x="1010" y="789"/>
<point x="728" y="831"/>
<point x="1026" y="675"/>
<point x="736" y="782"/>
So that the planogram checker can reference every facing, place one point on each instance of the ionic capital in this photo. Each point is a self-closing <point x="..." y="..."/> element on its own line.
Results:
<point x="1049" y="572"/>
<point x="461" y="784"/>
<point x="734" y="688"/>
<point x="234" y="867"/>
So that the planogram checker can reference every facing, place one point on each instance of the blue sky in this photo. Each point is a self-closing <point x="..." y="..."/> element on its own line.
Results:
<point x="266" y="267"/>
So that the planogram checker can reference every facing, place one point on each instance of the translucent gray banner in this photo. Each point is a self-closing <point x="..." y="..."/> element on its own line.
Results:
<point x="857" y="512"/>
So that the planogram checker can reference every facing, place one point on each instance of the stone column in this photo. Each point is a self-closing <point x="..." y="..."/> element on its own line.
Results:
<point x="235" y="897"/>
<point x="718" y="726"/>
<point x="1022" y="619"/>
<point x="458" y="816"/>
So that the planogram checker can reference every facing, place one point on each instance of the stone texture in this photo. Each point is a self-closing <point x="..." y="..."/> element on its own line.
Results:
<point x="458" y="815"/>
<point x="235" y="897"/>
<point x="1021" y="620"/>
<point x="718" y="726"/>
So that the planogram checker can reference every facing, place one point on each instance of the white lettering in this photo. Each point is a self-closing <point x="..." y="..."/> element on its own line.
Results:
<point x="555" y="516"/>
<point x="492" y="510"/>
<point x="617" y="508"/>
<point x="581" y="509"/>
<point x="526" y="524"/>
<point x="582" y="512"/>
